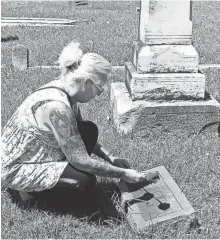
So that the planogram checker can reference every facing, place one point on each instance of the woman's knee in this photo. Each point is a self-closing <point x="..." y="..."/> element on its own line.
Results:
<point x="85" y="183"/>
<point x="76" y="179"/>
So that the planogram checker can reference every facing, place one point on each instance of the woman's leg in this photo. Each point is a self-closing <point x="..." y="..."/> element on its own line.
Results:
<point x="76" y="179"/>
<point x="72" y="177"/>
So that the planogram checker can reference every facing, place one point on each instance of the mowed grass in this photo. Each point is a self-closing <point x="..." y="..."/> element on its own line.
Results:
<point x="193" y="162"/>
<point x="112" y="26"/>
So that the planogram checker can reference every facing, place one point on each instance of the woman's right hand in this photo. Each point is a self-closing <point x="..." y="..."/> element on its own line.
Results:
<point x="133" y="176"/>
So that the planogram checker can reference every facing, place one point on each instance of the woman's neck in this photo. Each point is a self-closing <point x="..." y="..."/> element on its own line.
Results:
<point x="72" y="92"/>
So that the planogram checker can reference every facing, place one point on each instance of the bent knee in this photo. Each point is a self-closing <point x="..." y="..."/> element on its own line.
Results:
<point x="86" y="182"/>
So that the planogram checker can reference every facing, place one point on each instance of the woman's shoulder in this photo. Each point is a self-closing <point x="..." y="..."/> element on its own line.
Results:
<point x="54" y="112"/>
<point x="57" y="109"/>
<point x="58" y="106"/>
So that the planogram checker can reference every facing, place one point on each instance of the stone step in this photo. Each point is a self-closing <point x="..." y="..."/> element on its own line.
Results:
<point x="167" y="86"/>
<point x="165" y="58"/>
<point x="150" y="119"/>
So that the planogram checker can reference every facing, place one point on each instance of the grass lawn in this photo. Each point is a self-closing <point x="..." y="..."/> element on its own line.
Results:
<point x="193" y="163"/>
<point x="113" y="28"/>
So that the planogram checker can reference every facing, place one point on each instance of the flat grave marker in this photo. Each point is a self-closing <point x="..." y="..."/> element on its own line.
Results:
<point x="150" y="203"/>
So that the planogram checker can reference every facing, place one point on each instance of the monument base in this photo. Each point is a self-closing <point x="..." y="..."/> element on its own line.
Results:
<point x="156" y="118"/>
<point x="164" y="86"/>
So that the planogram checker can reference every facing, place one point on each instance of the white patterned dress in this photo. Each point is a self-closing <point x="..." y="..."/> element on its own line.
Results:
<point x="31" y="157"/>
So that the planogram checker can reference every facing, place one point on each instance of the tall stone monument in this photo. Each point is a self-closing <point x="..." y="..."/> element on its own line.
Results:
<point x="163" y="90"/>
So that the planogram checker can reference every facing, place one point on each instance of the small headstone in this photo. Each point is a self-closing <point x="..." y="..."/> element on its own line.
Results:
<point x="20" y="57"/>
<point x="149" y="203"/>
<point x="70" y="6"/>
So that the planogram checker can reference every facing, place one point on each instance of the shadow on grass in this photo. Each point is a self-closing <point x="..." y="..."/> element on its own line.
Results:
<point x="96" y="206"/>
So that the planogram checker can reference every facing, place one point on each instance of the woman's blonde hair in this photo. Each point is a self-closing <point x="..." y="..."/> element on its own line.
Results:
<point x="90" y="65"/>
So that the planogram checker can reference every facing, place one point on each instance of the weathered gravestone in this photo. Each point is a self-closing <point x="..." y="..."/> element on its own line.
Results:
<point x="145" y="204"/>
<point x="163" y="92"/>
<point x="70" y="6"/>
<point x="20" y="57"/>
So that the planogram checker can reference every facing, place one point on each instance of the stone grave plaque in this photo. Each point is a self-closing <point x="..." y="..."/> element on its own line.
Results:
<point x="20" y="57"/>
<point x="149" y="203"/>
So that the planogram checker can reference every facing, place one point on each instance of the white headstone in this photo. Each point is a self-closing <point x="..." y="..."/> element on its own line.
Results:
<point x="165" y="22"/>
<point x="164" y="47"/>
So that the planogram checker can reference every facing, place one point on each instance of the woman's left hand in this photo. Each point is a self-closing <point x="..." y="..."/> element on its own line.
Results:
<point x="120" y="162"/>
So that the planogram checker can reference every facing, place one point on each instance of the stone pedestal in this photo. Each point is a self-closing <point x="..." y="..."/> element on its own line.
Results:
<point x="164" y="86"/>
<point x="163" y="91"/>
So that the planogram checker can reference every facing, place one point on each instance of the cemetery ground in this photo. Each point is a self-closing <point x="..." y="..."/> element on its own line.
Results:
<point x="193" y="161"/>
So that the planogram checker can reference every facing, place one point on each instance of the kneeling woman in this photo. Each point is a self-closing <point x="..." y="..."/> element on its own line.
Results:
<point x="46" y="143"/>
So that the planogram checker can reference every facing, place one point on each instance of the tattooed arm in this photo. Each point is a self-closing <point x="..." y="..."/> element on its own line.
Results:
<point x="62" y="122"/>
<point x="99" y="150"/>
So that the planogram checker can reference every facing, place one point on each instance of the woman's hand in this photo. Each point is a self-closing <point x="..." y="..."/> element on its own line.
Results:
<point x="120" y="162"/>
<point x="132" y="176"/>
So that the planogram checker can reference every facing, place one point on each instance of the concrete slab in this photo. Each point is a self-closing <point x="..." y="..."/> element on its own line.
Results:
<point x="142" y="118"/>
<point x="150" y="203"/>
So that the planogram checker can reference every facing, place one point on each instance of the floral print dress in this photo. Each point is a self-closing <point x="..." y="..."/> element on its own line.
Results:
<point x="31" y="157"/>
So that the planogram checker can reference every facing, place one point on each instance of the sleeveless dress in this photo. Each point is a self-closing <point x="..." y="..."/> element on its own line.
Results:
<point x="31" y="157"/>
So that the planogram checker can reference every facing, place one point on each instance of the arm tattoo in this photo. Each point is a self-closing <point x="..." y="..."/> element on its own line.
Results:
<point x="102" y="169"/>
<point x="63" y="121"/>
<point x="66" y="132"/>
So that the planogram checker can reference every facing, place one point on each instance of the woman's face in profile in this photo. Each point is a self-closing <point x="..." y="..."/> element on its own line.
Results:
<point x="91" y="89"/>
